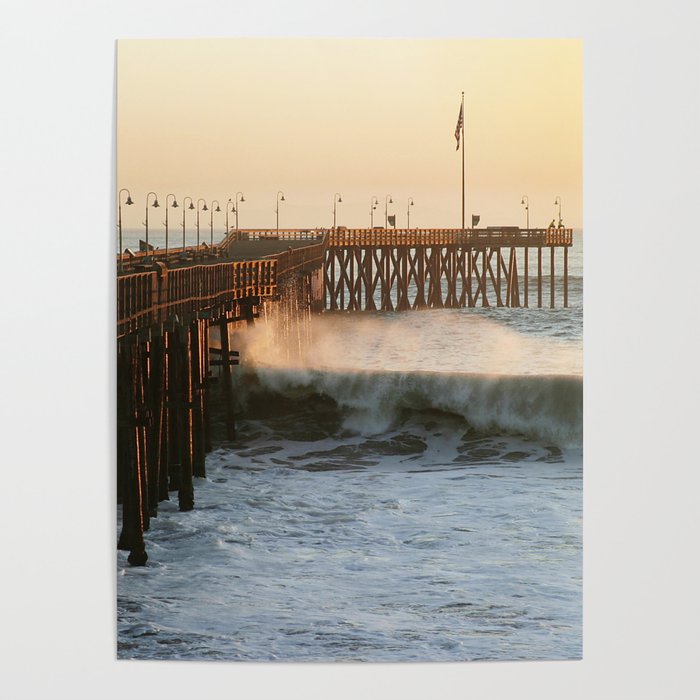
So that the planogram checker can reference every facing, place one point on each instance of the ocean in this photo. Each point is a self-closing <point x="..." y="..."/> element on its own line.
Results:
<point x="402" y="487"/>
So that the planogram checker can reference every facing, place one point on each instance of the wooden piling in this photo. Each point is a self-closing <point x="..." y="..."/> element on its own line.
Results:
<point x="498" y="276"/>
<point x="226" y="380"/>
<point x="526" y="278"/>
<point x="185" y="492"/>
<point x="197" y="397"/>
<point x="566" y="277"/>
<point x="539" y="277"/>
<point x="164" y="462"/>
<point x="206" y="378"/>
<point x="143" y="420"/>
<point x="133" y="525"/>
<point x="551" y="278"/>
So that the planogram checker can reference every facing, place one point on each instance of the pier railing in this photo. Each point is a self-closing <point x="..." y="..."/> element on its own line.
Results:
<point x="296" y="259"/>
<point x="342" y="238"/>
<point x="147" y="298"/>
<point x="234" y="235"/>
<point x="137" y="260"/>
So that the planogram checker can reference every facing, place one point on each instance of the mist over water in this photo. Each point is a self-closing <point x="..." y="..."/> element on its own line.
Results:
<point x="403" y="487"/>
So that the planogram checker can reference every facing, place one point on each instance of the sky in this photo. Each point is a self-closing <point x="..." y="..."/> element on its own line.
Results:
<point x="207" y="118"/>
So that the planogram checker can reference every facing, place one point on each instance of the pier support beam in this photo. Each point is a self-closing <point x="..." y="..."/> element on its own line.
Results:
<point x="566" y="277"/>
<point x="551" y="278"/>
<point x="526" y="279"/>
<point x="185" y="492"/>
<point x="129" y="461"/>
<point x="226" y="380"/>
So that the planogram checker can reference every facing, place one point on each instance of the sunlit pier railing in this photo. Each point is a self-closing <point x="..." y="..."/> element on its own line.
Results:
<point x="444" y="237"/>
<point x="148" y="298"/>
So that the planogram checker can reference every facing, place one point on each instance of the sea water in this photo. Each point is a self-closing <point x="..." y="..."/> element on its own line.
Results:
<point x="403" y="487"/>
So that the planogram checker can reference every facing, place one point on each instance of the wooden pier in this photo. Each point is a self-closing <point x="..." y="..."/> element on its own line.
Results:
<point x="175" y="312"/>
<point x="367" y="270"/>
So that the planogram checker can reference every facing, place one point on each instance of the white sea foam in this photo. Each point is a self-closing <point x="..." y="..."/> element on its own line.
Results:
<point x="548" y="408"/>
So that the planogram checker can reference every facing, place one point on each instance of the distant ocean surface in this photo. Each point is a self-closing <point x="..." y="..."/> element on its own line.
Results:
<point x="403" y="487"/>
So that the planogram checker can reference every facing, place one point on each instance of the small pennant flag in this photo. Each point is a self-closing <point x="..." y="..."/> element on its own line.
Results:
<point x="460" y="121"/>
<point x="475" y="220"/>
<point x="392" y="220"/>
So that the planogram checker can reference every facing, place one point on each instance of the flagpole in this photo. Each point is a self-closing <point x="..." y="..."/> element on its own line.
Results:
<point x="463" y="120"/>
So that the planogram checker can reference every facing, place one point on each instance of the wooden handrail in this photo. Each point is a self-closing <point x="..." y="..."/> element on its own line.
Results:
<point x="146" y="298"/>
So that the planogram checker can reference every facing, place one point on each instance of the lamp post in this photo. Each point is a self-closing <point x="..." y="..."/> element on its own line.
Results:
<point x="174" y="206"/>
<point x="557" y="200"/>
<point x="373" y="205"/>
<point x="183" y="219"/>
<point x="408" y="211"/>
<point x="336" y="201"/>
<point x="233" y="210"/>
<point x="211" y="224"/>
<point x="129" y="202"/>
<point x="387" y="201"/>
<point x="526" y="202"/>
<point x="204" y="208"/>
<point x="155" y="204"/>
<point x="277" y="210"/>
<point x="237" y="207"/>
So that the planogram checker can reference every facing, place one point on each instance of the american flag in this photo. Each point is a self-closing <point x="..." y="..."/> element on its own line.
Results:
<point x="460" y="121"/>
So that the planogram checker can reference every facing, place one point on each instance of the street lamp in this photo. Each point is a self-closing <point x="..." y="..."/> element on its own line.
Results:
<point x="387" y="201"/>
<point x="277" y="210"/>
<point x="408" y="211"/>
<point x="336" y="201"/>
<point x="129" y="201"/>
<point x="174" y="206"/>
<point x="155" y="204"/>
<point x="211" y="225"/>
<point x="204" y="208"/>
<point x="184" y="210"/>
<point x="237" y="207"/>
<point x="373" y="205"/>
<point x="526" y="202"/>
<point x="557" y="200"/>
<point x="233" y="210"/>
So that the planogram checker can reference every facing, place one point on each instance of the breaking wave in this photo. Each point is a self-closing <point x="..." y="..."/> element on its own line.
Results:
<point x="544" y="407"/>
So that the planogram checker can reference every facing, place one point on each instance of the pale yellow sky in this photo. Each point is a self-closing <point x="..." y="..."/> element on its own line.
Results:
<point x="208" y="118"/>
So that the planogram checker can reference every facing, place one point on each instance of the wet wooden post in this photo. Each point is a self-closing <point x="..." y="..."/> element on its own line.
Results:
<point x="343" y="258"/>
<point x="185" y="493"/>
<point x="155" y="393"/>
<point x="369" y="276"/>
<point x="498" y="277"/>
<point x="539" y="277"/>
<point x="143" y="420"/>
<point x="333" y="304"/>
<point x="175" y="409"/>
<point x="226" y="379"/>
<point x="207" y="386"/>
<point x="525" y="279"/>
<point x="470" y="263"/>
<point x="358" y="278"/>
<point x="566" y="277"/>
<point x="133" y="525"/>
<point x="198" y="453"/>
<point x="164" y="468"/>
<point x="513" y="291"/>
<point x="551" y="277"/>
<point x="420" y="282"/>
<point x="484" y="266"/>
